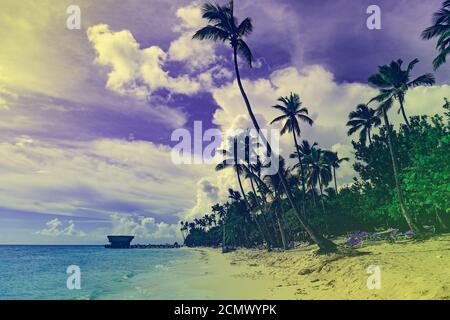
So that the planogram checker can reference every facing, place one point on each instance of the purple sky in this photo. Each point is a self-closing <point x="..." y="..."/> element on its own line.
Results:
<point x="64" y="106"/>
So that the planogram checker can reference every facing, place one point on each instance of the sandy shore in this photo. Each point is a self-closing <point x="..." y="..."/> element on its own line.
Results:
<point x="408" y="270"/>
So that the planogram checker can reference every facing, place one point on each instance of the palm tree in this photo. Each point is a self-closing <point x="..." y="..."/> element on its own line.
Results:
<point x="363" y="119"/>
<point x="395" y="82"/>
<point x="233" y="160"/>
<point x="273" y="183"/>
<point x="224" y="27"/>
<point x="385" y="105"/>
<point x="441" y="30"/>
<point x="334" y="161"/>
<point x="240" y="146"/>
<point x="292" y="111"/>
<point x="220" y="211"/>
<point x="319" y="172"/>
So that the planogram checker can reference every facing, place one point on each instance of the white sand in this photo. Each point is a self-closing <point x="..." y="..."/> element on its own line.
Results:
<point x="409" y="270"/>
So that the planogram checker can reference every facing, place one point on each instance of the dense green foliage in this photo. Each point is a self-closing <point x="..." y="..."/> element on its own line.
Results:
<point x="369" y="203"/>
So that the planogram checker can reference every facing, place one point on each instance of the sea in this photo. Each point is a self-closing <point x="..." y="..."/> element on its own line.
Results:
<point x="40" y="273"/>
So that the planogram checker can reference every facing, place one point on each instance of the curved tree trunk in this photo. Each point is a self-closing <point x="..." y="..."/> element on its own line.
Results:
<point x="417" y="229"/>
<point x="324" y="244"/>
<point x="402" y="109"/>
<point x="335" y="180"/>
<point x="302" y="173"/>
<point x="370" y="138"/>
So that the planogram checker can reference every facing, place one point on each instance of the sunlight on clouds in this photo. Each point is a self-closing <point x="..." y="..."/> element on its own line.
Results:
<point x="135" y="71"/>
<point x="197" y="54"/>
<point x="145" y="228"/>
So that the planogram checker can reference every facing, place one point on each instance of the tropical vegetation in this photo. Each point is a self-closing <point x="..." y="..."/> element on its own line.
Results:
<point x="402" y="172"/>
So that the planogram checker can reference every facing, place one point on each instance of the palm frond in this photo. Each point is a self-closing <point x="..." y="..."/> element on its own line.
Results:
<point x="211" y="33"/>
<point x="424" y="80"/>
<point x="245" y="27"/>
<point x="244" y="50"/>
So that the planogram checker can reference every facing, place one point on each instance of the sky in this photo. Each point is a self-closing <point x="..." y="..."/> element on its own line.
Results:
<point x="87" y="115"/>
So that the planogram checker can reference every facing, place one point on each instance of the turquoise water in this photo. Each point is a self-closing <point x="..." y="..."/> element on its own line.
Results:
<point x="39" y="272"/>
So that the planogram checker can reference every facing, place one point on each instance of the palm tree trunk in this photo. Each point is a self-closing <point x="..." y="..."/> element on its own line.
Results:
<point x="241" y="187"/>
<point x="247" y="204"/>
<point x="223" y="236"/>
<point x="283" y="235"/>
<point x="302" y="173"/>
<point x="402" y="109"/>
<point x="324" y="244"/>
<point x="265" y="239"/>
<point x="405" y="213"/>
<point x="323" y="205"/>
<point x="370" y="138"/>
<point x="321" y="196"/>
<point x="335" y="180"/>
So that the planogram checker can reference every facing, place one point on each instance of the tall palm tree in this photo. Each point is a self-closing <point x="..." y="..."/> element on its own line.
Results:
<point x="363" y="119"/>
<point x="440" y="30"/>
<point x="383" y="108"/>
<point x="292" y="111"/>
<point x="233" y="160"/>
<point x="224" y="27"/>
<point x="394" y="82"/>
<point x="335" y="162"/>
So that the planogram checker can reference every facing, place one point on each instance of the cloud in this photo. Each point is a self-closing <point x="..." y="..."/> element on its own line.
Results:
<point x="96" y="178"/>
<point x="328" y="102"/>
<point x="55" y="228"/>
<point x="197" y="54"/>
<point x="135" y="71"/>
<point x="145" y="228"/>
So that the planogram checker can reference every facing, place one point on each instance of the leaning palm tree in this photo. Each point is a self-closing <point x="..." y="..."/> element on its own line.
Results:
<point x="334" y="162"/>
<point x="362" y="120"/>
<point x="394" y="82"/>
<point x="383" y="108"/>
<point x="440" y="30"/>
<point x="224" y="27"/>
<point x="292" y="111"/>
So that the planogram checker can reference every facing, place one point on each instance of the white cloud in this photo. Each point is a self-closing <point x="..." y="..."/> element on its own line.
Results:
<point x="145" y="228"/>
<point x="135" y="71"/>
<point x="197" y="54"/>
<point x="95" y="178"/>
<point x="55" y="228"/>
<point x="329" y="104"/>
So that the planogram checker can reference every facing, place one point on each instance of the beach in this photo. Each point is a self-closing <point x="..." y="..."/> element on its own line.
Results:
<point x="408" y="270"/>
